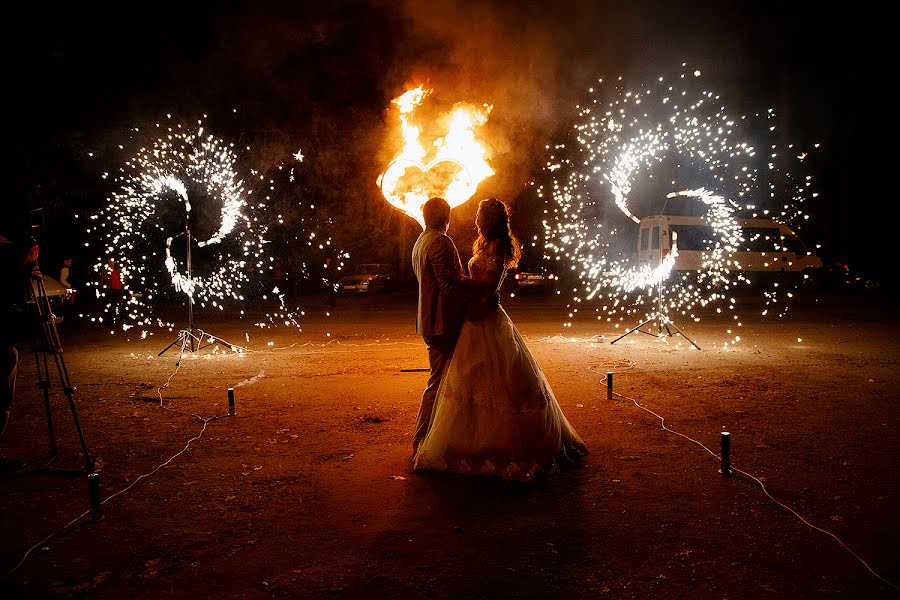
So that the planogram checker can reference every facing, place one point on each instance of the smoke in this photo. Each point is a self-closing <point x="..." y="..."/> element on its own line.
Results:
<point x="251" y="380"/>
<point x="320" y="76"/>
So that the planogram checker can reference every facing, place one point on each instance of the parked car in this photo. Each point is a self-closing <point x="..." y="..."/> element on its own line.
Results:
<point x="841" y="277"/>
<point x="534" y="279"/>
<point x="371" y="277"/>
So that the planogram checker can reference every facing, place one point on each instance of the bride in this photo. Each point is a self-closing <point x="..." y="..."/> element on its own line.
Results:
<point x="495" y="412"/>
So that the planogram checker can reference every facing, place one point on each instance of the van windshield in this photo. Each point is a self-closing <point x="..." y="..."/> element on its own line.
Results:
<point x="794" y="244"/>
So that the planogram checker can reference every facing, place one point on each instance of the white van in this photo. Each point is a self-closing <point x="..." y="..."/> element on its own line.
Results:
<point x="767" y="246"/>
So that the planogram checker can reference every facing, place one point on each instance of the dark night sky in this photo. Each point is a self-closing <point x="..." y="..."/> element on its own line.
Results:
<point x="319" y="75"/>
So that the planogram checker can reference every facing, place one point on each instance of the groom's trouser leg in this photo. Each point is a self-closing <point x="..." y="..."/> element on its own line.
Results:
<point x="439" y="352"/>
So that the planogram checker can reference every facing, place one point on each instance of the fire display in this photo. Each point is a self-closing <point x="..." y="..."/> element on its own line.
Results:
<point x="452" y="170"/>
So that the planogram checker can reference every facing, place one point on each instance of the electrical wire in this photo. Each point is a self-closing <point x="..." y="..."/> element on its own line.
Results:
<point x="384" y="346"/>
<point x="351" y="347"/>
<point x="568" y="339"/>
<point x="204" y="420"/>
<point x="761" y="485"/>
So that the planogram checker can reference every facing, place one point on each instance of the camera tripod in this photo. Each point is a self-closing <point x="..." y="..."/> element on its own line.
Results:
<point x="192" y="335"/>
<point x="46" y="343"/>
<point x="663" y="322"/>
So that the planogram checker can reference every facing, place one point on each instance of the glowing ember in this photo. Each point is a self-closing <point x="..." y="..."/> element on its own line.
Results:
<point x="634" y="153"/>
<point x="454" y="169"/>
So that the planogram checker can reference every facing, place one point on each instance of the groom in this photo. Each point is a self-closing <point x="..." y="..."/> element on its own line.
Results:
<point x="443" y="294"/>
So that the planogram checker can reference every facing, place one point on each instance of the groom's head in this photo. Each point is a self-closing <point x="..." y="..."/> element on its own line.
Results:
<point x="437" y="214"/>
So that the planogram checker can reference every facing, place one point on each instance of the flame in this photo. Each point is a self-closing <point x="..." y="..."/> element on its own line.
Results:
<point x="456" y="167"/>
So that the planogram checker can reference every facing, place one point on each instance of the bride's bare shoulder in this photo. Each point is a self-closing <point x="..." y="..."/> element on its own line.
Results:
<point x="495" y="249"/>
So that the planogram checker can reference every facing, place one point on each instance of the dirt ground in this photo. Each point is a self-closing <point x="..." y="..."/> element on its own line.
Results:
<point x="307" y="491"/>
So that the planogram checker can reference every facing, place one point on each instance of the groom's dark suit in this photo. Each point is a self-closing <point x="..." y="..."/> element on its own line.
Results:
<point x="443" y="293"/>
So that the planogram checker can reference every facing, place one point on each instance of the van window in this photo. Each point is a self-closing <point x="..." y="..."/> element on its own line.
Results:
<point x="693" y="237"/>
<point x="654" y="243"/>
<point x="645" y="238"/>
<point x="761" y="239"/>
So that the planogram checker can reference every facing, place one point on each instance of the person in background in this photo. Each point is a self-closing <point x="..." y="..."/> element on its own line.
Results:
<point x="18" y="265"/>
<point x="111" y="278"/>
<point x="70" y="294"/>
<point x="278" y="275"/>
<point x="330" y="278"/>
<point x="64" y="273"/>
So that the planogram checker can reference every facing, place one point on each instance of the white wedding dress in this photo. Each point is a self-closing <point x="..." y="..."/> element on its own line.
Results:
<point x="495" y="413"/>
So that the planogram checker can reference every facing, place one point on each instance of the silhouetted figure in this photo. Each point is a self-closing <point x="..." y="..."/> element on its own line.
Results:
<point x="112" y="279"/>
<point x="18" y="265"/>
<point x="444" y="292"/>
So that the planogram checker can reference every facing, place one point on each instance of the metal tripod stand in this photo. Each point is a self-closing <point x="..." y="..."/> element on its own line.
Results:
<point x="191" y="335"/>
<point x="46" y="343"/>
<point x="663" y="322"/>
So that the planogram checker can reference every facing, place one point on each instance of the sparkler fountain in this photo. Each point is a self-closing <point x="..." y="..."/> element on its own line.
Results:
<point x="190" y="335"/>
<point x="661" y="273"/>
<point x="619" y="140"/>
<point x="153" y="192"/>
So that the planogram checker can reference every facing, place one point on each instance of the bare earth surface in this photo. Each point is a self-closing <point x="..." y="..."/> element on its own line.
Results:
<point x="307" y="491"/>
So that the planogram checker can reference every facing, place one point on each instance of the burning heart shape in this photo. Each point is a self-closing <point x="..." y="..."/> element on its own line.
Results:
<point x="459" y="162"/>
<point x="408" y="184"/>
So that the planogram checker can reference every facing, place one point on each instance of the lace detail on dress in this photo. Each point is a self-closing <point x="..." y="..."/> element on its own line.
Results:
<point x="511" y="471"/>
<point x="486" y="267"/>
<point x="486" y="262"/>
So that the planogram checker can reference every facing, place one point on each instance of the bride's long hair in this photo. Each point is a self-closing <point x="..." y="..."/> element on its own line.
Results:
<point x="492" y="221"/>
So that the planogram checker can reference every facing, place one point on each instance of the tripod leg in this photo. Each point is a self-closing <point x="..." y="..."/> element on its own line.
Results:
<point x="175" y="341"/>
<point x="89" y="464"/>
<point x="54" y="346"/>
<point x="632" y="330"/>
<point x="668" y="331"/>
<point x="672" y="323"/>
<point x="43" y="375"/>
